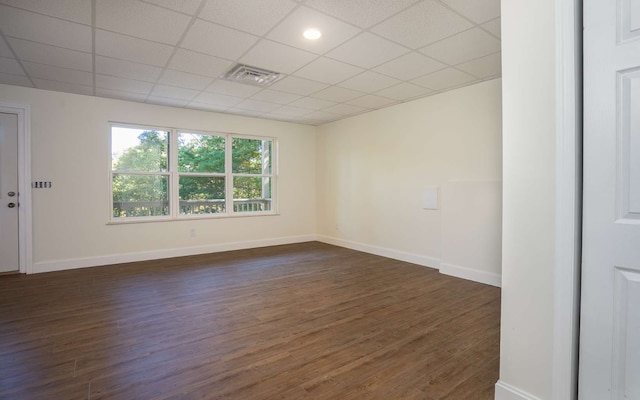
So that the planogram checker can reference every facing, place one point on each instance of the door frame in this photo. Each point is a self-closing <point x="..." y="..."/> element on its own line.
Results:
<point x="566" y="308"/>
<point x="25" y="237"/>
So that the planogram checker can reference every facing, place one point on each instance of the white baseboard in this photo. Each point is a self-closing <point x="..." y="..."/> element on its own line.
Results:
<point x="487" y="278"/>
<point x="73" y="263"/>
<point x="381" y="251"/>
<point x="504" y="391"/>
<point x="448" y="269"/>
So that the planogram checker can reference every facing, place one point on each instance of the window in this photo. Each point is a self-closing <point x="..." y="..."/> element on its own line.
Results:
<point x="251" y="172"/>
<point x="173" y="174"/>
<point x="201" y="173"/>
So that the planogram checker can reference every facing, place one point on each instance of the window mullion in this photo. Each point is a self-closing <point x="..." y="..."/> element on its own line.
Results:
<point x="229" y="174"/>
<point x="174" y="197"/>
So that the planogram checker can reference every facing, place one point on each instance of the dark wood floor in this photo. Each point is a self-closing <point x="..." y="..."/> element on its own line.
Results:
<point x="304" y="321"/>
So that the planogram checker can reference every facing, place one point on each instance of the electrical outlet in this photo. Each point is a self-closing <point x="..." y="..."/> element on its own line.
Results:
<point x="192" y="232"/>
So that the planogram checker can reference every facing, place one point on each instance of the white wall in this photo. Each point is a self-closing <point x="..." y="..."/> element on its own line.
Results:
<point x="373" y="169"/>
<point x="70" y="142"/>
<point x="472" y="230"/>
<point x="529" y="200"/>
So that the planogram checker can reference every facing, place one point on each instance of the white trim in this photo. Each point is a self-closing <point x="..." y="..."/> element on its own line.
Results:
<point x="488" y="278"/>
<point x="23" y="111"/>
<point x="568" y="201"/>
<point x="504" y="391"/>
<point x="413" y="258"/>
<point x="73" y="263"/>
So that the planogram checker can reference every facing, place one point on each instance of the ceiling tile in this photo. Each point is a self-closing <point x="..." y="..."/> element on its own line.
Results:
<point x="167" y="101"/>
<point x="493" y="27"/>
<point x="198" y="63"/>
<point x="293" y="84"/>
<point x="371" y="101"/>
<point x="369" y="82"/>
<point x="245" y="112"/>
<point x="4" y="49"/>
<point x="127" y="69"/>
<point x="404" y="91"/>
<point x="310" y="121"/>
<point x="256" y="105"/>
<point x="183" y="6"/>
<point x="322" y="116"/>
<point x="362" y="13"/>
<point x="63" y="87"/>
<point x="462" y="47"/>
<point x="485" y="67"/>
<point x="445" y="79"/>
<point x="277" y="57"/>
<point x="328" y="71"/>
<point x="173" y="92"/>
<point x="476" y="10"/>
<point x="273" y="96"/>
<point x="10" y="66"/>
<point x="207" y="107"/>
<point x="217" y="40"/>
<point x="58" y="74"/>
<point x="367" y="51"/>
<point x="18" y="80"/>
<point x="334" y="32"/>
<point x="254" y="16"/>
<point x="43" y="29"/>
<point x="291" y="111"/>
<point x="72" y="10"/>
<point x="51" y="55"/>
<point x="141" y="20"/>
<point x="185" y="80"/>
<point x="122" y="84"/>
<point x="275" y="116"/>
<point x="120" y="95"/>
<point x="217" y="99"/>
<point x="232" y="88"/>
<point x="313" y="103"/>
<point x="410" y="66"/>
<point x="421" y="24"/>
<point x="337" y="94"/>
<point x="345" y="109"/>
<point x="132" y="49"/>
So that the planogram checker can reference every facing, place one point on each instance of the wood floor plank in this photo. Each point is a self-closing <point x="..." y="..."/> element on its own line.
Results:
<point x="304" y="321"/>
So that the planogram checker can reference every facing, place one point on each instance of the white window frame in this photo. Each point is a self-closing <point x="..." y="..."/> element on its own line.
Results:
<point x="174" y="175"/>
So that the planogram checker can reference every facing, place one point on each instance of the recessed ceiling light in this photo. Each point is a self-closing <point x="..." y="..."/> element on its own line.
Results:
<point x="312" y="34"/>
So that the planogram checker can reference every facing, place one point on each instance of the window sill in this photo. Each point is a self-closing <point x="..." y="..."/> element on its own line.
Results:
<point x="143" y="220"/>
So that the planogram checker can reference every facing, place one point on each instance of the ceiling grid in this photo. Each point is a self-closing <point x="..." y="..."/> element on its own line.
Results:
<point x="372" y="53"/>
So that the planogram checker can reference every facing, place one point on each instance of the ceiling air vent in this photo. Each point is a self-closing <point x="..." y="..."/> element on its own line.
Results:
<point x="251" y="75"/>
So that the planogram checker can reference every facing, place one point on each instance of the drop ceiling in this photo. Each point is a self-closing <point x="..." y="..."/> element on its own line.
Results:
<point x="372" y="53"/>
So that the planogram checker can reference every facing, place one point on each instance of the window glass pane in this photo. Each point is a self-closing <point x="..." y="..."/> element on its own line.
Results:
<point x="140" y="195"/>
<point x="251" y="156"/>
<point x="200" y="153"/>
<point x="143" y="150"/>
<point x="202" y="195"/>
<point x="251" y="194"/>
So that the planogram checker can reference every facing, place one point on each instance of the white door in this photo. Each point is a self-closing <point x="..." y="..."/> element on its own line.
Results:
<point x="610" y="315"/>
<point x="9" y="242"/>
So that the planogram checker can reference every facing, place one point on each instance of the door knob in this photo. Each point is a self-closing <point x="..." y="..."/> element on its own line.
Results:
<point x="11" y="205"/>
<point x="11" y="194"/>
